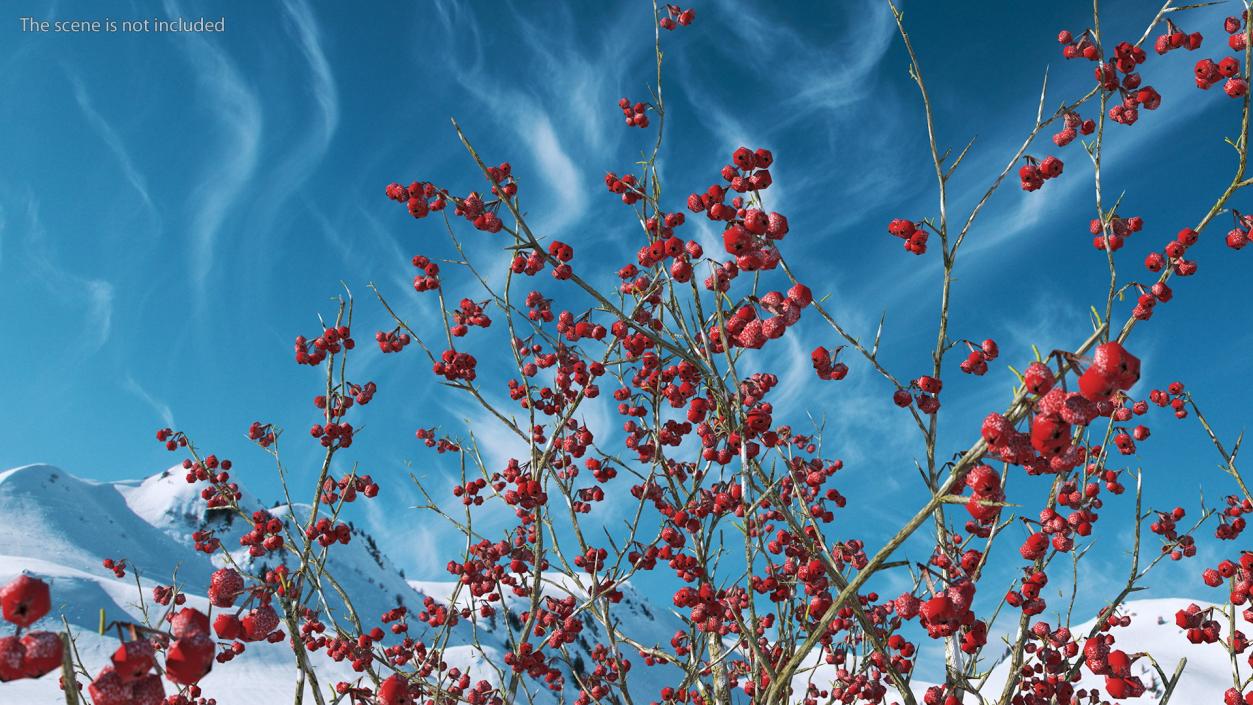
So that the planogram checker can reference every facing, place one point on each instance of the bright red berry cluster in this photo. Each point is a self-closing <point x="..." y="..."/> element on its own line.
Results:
<point x="420" y="197"/>
<point x="636" y="114"/>
<point x="676" y="16"/>
<point x="1074" y="125"/>
<point x="332" y="340"/>
<point x="1034" y="173"/>
<point x="428" y="274"/>
<point x="915" y="236"/>
<point x="23" y="602"/>
<point x="976" y="362"/>
<point x="392" y="341"/>
<point x="1175" y="38"/>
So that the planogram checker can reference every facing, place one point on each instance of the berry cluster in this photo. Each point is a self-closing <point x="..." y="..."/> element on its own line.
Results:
<point x="129" y="679"/>
<point x="1231" y="522"/>
<point x="985" y="495"/>
<point x="205" y="541"/>
<point x="454" y="366"/>
<point x="1074" y="126"/>
<point x="1208" y="73"/>
<point x="173" y="440"/>
<point x="1173" y="396"/>
<point x="468" y="313"/>
<point x="1236" y="27"/>
<point x="825" y="364"/>
<point x="1176" y="545"/>
<point x="539" y="309"/>
<point x="258" y="624"/>
<point x="1027" y="596"/>
<point x="976" y="362"/>
<point x="746" y="328"/>
<point x="1238" y="236"/>
<point x="1173" y="255"/>
<point x="949" y="611"/>
<point x="420" y="197"/>
<point x="928" y="397"/>
<point x="1175" y="38"/>
<point x="1082" y="48"/>
<point x="441" y="445"/>
<point x="563" y="253"/>
<point x="915" y="237"/>
<point x="676" y="16"/>
<point x="1048" y="446"/>
<point x="348" y="487"/>
<point x="635" y="114"/>
<point x="392" y="341"/>
<point x="23" y="602"/>
<point x="1113" y="369"/>
<point x="332" y="434"/>
<point x="627" y="187"/>
<point x="1134" y="95"/>
<point x="428" y="276"/>
<point x="1116" y="231"/>
<point x="1033" y="174"/>
<point x="1198" y="624"/>
<point x="265" y="535"/>
<point x="328" y="533"/>
<point x="665" y="246"/>
<point x="166" y="594"/>
<point x="264" y="434"/>
<point x="332" y="340"/>
<point x="1114" y="664"/>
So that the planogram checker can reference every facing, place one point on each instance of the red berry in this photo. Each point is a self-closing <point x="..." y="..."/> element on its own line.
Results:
<point x="225" y="585"/>
<point x="227" y="626"/>
<point x="44" y="653"/>
<point x="148" y="690"/>
<point x="12" y="659"/>
<point x="25" y="600"/>
<point x="133" y="660"/>
<point x="395" y="690"/>
<point x="108" y="688"/>
<point x="189" y="622"/>
<point x="259" y="622"/>
<point x="1120" y="366"/>
<point x="189" y="658"/>
<point x="1038" y="378"/>
<point x="1095" y="385"/>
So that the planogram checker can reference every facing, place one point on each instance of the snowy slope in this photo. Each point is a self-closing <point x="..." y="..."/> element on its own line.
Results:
<point x="1153" y="630"/>
<point x="48" y="512"/>
<point x="59" y="528"/>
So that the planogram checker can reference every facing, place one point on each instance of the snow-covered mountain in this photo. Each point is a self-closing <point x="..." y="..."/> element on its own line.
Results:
<point x="59" y="528"/>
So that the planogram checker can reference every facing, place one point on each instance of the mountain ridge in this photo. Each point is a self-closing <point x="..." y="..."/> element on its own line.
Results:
<point x="59" y="527"/>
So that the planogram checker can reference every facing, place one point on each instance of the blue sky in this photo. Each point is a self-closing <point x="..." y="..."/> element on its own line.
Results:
<point x="175" y="209"/>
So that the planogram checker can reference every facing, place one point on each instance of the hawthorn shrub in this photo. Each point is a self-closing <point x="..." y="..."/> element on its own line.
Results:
<point x="742" y="505"/>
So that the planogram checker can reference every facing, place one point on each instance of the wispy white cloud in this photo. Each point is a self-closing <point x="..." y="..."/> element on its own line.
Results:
<point x="113" y="140"/>
<point x="564" y="179"/>
<point x="161" y="408"/>
<point x="584" y="91"/>
<point x="233" y="162"/>
<point x="562" y="123"/>
<point x="96" y="295"/>
<point x="322" y="82"/>
<point x="825" y="99"/>
<point x="455" y="21"/>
